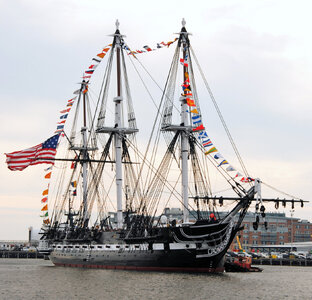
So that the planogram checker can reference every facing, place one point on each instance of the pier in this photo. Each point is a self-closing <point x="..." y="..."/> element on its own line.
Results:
<point x="20" y="254"/>
<point x="282" y="262"/>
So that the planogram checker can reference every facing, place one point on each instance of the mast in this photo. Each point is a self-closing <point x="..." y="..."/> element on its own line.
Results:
<point x="118" y="124"/>
<point x="118" y="130"/>
<point x="84" y="89"/>
<point x="184" y="128"/>
<point x="184" y="136"/>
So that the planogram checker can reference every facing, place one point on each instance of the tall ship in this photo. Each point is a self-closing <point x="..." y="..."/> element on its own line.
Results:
<point x="111" y="190"/>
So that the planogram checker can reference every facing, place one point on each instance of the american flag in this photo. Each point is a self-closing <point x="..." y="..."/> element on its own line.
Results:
<point x="40" y="154"/>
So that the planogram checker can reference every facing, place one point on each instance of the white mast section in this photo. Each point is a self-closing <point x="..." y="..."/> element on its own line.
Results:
<point x="118" y="141"/>
<point x="119" y="130"/>
<point x="85" y="173"/>
<point x="85" y="155"/>
<point x="184" y="158"/>
<point x="184" y="129"/>
<point x="118" y="156"/>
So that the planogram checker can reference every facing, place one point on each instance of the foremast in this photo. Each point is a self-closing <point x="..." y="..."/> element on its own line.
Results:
<point x="184" y="135"/>
<point x="84" y="148"/>
<point x="184" y="128"/>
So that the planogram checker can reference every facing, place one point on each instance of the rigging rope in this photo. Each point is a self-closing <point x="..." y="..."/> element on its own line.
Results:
<point x="277" y="190"/>
<point x="220" y="114"/>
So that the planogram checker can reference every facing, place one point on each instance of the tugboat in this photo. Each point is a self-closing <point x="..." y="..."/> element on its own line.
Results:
<point x="239" y="261"/>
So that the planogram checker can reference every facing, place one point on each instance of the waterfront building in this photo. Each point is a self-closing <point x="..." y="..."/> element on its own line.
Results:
<point x="280" y="230"/>
<point x="12" y="244"/>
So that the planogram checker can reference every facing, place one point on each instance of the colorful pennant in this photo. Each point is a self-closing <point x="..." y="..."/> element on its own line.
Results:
<point x="45" y="192"/>
<point x="48" y="175"/>
<point x="63" y="118"/>
<point x="211" y="150"/>
<point x="95" y="62"/>
<point x="230" y="169"/>
<point x="74" y="183"/>
<point x="198" y="124"/>
<point x="149" y="49"/>
<point x="223" y="162"/>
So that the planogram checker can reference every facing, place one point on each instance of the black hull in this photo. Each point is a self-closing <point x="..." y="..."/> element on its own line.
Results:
<point x="162" y="260"/>
<point x="198" y="247"/>
<point x="202" y="250"/>
<point x="145" y="268"/>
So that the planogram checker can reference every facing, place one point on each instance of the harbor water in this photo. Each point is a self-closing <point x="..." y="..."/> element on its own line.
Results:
<point x="39" y="279"/>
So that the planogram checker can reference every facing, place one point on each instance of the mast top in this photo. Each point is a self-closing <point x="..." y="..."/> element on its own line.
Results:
<point x="117" y="32"/>
<point x="183" y="29"/>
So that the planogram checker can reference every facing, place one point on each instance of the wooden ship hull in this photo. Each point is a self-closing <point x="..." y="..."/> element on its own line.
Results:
<point x="194" y="248"/>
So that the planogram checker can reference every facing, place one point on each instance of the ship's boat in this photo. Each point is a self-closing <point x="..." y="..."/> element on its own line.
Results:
<point x="101" y="166"/>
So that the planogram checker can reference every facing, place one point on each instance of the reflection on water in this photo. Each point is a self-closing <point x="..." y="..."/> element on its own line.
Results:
<point x="38" y="279"/>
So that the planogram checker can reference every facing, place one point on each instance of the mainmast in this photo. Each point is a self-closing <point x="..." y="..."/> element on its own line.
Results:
<point x="184" y="135"/>
<point x="118" y="130"/>
<point x="118" y="124"/>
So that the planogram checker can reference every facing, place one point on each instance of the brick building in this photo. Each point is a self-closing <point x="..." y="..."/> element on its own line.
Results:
<point x="281" y="230"/>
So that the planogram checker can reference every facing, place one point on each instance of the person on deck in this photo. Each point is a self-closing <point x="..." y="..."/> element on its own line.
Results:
<point x="212" y="218"/>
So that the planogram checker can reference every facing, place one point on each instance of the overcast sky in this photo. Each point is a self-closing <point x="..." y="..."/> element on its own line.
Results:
<point x="256" y="56"/>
